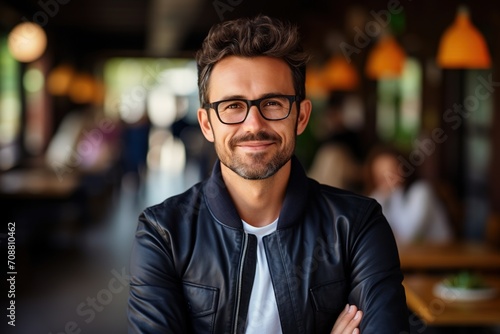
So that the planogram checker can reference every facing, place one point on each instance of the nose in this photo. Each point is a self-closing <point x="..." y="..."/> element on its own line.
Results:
<point x="254" y="119"/>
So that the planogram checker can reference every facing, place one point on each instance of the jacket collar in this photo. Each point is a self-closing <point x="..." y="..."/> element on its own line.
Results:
<point x="222" y="207"/>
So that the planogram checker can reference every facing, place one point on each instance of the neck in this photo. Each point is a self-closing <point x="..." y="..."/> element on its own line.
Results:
<point x="258" y="202"/>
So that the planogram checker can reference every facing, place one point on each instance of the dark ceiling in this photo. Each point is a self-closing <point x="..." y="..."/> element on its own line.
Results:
<point x="133" y="26"/>
<point x="89" y="29"/>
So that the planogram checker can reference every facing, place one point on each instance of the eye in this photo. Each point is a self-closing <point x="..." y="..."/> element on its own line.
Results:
<point x="232" y="105"/>
<point x="272" y="103"/>
<point x="275" y="102"/>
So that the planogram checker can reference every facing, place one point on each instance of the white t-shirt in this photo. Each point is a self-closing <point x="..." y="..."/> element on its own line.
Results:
<point x="263" y="314"/>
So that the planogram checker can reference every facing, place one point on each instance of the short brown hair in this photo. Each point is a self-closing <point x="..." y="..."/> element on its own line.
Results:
<point x="258" y="36"/>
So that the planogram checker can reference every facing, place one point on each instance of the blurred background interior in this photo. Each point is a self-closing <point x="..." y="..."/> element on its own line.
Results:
<point x="98" y="103"/>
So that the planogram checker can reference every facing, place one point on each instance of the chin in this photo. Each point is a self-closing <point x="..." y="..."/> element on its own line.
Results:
<point x="252" y="173"/>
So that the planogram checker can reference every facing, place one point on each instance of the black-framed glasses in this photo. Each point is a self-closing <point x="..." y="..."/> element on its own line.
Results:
<point x="271" y="108"/>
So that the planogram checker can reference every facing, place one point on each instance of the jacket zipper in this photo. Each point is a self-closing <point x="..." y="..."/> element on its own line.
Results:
<point x="240" y="279"/>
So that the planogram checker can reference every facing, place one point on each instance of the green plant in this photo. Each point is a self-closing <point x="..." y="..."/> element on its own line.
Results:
<point x="465" y="280"/>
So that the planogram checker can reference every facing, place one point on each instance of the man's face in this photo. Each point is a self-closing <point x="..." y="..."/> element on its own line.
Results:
<point x="256" y="148"/>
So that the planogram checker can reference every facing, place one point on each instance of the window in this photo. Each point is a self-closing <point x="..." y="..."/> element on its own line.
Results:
<point x="399" y="106"/>
<point x="10" y="107"/>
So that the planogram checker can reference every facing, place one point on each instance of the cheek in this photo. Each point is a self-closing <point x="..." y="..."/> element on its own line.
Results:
<point x="222" y="138"/>
<point x="288" y="136"/>
<point x="291" y="129"/>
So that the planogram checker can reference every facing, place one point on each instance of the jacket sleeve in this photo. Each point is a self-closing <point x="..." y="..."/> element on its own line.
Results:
<point x="376" y="276"/>
<point x="156" y="303"/>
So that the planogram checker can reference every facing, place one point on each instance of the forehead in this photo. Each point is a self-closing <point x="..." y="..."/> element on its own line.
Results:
<point x="249" y="77"/>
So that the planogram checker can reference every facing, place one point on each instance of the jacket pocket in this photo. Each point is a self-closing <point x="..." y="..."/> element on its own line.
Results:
<point x="328" y="301"/>
<point x="202" y="304"/>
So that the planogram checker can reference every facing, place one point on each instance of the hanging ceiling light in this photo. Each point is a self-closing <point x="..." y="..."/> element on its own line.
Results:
<point x="82" y="88"/>
<point x="386" y="60"/>
<point x="314" y="82"/>
<point x="27" y="42"/>
<point x="59" y="80"/>
<point x="462" y="46"/>
<point x="339" y="74"/>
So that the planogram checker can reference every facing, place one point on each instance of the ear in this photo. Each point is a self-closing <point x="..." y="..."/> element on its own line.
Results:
<point x="205" y="125"/>
<point x="304" y="115"/>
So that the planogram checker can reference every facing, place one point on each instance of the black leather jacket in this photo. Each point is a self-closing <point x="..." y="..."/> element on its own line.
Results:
<point x="192" y="264"/>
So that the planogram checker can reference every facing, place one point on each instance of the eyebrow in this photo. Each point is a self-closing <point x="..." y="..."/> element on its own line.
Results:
<point x="241" y="97"/>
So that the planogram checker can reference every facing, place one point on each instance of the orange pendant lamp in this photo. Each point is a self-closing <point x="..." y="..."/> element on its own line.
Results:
<point x="386" y="60"/>
<point x="462" y="46"/>
<point x="339" y="74"/>
<point x="314" y="82"/>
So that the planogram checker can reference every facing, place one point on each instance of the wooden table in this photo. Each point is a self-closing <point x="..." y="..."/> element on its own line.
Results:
<point x="449" y="256"/>
<point x="37" y="183"/>
<point x="436" y="311"/>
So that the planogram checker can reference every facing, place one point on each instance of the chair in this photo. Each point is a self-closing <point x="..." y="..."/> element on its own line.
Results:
<point x="492" y="231"/>
<point x="452" y="205"/>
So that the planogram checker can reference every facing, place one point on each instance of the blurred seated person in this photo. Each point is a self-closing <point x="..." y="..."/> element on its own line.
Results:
<point x="338" y="160"/>
<point x="410" y="204"/>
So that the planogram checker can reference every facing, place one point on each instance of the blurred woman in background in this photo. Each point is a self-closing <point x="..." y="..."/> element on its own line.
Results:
<point x="410" y="204"/>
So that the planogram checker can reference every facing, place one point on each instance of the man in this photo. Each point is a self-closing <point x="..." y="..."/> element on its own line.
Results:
<point x="259" y="247"/>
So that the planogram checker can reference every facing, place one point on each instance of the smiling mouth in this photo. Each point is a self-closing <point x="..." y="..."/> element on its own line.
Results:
<point x="255" y="145"/>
